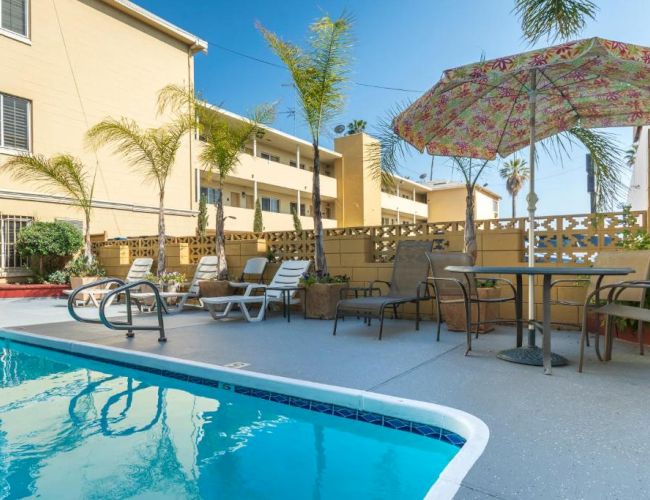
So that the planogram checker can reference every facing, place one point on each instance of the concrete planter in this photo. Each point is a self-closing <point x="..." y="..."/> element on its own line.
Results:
<point x="215" y="288"/>
<point x="77" y="281"/>
<point x="27" y="291"/>
<point x="454" y="314"/>
<point x="322" y="298"/>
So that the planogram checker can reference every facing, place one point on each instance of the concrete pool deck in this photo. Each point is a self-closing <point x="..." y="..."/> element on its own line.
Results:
<point x="569" y="435"/>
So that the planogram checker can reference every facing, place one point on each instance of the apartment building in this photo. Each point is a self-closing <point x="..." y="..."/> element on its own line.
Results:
<point x="447" y="202"/>
<point x="67" y="64"/>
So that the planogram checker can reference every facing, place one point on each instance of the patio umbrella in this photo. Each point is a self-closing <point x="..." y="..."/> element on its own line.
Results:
<point x="500" y="106"/>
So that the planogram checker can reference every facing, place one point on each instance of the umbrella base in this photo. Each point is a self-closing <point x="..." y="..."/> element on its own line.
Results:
<point x="530" y="356"/>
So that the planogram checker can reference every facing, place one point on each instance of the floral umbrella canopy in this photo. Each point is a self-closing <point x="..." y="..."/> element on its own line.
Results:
<point x="503" y="105"/>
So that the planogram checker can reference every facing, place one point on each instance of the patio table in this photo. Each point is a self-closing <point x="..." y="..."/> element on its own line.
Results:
<point x="531" y="354"/>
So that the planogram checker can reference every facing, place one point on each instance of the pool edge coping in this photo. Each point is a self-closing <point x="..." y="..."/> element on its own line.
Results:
<point x="470" y="427"/>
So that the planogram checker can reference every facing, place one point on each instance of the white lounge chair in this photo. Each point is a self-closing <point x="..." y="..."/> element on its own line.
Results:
<point x="206" y="269"/>
<point x="254" y="267"/>
<point x="138" y="270"/>
<point x="287" y="276"/>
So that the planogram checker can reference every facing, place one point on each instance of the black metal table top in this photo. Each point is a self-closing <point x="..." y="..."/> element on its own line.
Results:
<point x="571" y="271"/>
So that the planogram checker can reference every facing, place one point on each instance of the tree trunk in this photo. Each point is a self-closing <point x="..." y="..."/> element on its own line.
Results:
<point x="220" y="238"/>
<point x="161" y="234"/>
<point x="514" y="210"/>
<point x="319" y="258"/>
<point x="88" y="248"/>
<point x="470" y="228"/>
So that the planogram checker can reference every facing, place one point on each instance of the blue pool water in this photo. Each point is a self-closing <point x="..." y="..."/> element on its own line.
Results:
<point x="72" y="427"/>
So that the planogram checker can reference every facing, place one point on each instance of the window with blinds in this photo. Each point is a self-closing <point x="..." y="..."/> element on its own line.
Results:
<point x="13" y="16"/>
<point x="14" y="122"/>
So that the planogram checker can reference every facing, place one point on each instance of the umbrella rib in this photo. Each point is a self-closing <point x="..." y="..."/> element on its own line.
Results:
<point x="572" y="70"/>
<point x="568" y="101"/>
<point x="514" y="103"/>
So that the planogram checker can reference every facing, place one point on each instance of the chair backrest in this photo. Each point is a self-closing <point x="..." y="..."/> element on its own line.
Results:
<point x="410" y="267"/>
<point x="139" y="269"/>
<point x="439" y="261"/>
<point x="288" y="274"/>
<point x="639" y="260"/>
<point x="255" y="267"/>
<point x="206" y="269"/>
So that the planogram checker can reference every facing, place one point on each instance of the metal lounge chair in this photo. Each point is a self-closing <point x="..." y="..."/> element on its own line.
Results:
<point x="138" y="270"/>
<point x="206" y="269"/>
<point x="407" y="285"/>
<point x="455" y="288"/>
<point x="282" y="289"/>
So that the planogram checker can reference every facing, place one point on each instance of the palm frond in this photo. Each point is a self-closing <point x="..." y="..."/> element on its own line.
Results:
<point x="553" y="19"/>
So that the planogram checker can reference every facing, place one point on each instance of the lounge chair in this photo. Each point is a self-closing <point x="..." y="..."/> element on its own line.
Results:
<point x="206" y="269"/>
<point x="254" y="268"/>
<point x="407" y="285"/>
<point x="455" y="288"/>
<point x="287" y="276"/>
<point x="138" y="270"/>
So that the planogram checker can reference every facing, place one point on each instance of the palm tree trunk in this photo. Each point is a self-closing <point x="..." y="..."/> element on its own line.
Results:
<point x="220" y="238"/>
<point x="470" y="228"/>
<point x="88" y="248"/>
<point x="319" y="250"/>
<point x="161" y="234"/>
<point x="514" y="210"/>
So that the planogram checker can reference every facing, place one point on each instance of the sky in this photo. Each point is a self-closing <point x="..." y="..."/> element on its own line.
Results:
<point x="404" y="44"/>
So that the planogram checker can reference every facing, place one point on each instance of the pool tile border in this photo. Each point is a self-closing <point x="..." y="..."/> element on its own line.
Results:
<point x="399" y="424"/>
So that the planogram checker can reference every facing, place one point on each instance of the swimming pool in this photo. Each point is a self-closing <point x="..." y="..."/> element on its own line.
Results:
<point x="76" y="427"/>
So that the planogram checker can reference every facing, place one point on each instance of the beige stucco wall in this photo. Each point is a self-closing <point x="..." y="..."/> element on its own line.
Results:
<point x="117" y="64"/>
<point x="449" y="205"/>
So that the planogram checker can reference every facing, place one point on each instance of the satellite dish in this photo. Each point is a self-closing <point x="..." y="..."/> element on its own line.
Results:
<point x="339" y="129"/>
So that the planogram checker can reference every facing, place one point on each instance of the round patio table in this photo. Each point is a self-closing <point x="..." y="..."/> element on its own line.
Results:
<point x="531" y="354"/>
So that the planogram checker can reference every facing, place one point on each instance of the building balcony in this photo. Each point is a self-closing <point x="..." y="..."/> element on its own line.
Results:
<point x="404" y="206"/>
<point x="241" y="219"/>
<point x="273" y="173"/>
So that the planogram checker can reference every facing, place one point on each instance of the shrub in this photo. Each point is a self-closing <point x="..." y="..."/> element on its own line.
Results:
<point x="309" y="279"/>
<point x="83" y="267"/>
<point x="297" y="225"/>
<point x="202" y="220"/>
<point x="49" y="242"/>
<point x="258" y="225"/>
<point x="58" y="278"/>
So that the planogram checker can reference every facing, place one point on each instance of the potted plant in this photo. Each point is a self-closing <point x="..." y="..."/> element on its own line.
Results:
<point x="83" y="270"/>
<point x="322" y="293"/>
<point x="454" y="314"/>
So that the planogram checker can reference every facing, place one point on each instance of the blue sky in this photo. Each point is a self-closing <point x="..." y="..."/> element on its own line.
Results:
<point x="404" y="44"/>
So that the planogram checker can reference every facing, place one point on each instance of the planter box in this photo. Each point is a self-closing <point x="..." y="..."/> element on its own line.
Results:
<point x="454" y="314"/>
<point x="27" y="291"/>
<point x="76" y="282"/>
<point x="322" y="298"/>
<point x="215" y="288"/>
<point x="628" y="333"/>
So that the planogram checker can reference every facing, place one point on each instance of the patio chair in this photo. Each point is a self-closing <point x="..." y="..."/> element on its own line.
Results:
<point x="206" y="269"/>
<point x="639" y="260"/>
<point x="138" y="270"/>
<point x="407" y="285"/>
<point x="287" y="277"/>
<point x="613" y="308"/>
<point x="455" y="288"/>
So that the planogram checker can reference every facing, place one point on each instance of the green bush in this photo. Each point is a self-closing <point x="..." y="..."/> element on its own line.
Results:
<point x="59" y="278"/>
<point x="48" y="242"/>
<point x="258" y="224"/>
<point x="82" y="267"/>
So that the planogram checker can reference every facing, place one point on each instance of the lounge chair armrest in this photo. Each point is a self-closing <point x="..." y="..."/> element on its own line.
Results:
<point x="455" y="281"/>
<point x="620" y="287"/>
<point x="501" y="280"/>
<point x="423" y="289"/>
<point x="373" y="287"/>
<point x="573" y="280"/>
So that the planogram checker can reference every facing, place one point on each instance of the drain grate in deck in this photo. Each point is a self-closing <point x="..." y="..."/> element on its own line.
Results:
<point x="237" y="364"/>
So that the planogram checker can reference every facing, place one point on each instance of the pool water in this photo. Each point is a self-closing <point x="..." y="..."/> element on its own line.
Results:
<point x="72" y="427"/>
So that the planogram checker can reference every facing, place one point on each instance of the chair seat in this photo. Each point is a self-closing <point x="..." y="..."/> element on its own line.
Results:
<point x="372" y="303"/>
<point x="233" y="298"/>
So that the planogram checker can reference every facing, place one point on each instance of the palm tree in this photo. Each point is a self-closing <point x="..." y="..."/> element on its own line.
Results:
<point x="356" y="126"/>
<point x="630" y="154"/>
<point x="223" y="143"/>
<point x="152" y="151"/>
<point x="553" y="19"/>
<point x="319" y="74"/>
<point x="63" y="174"/>
<point x="516" y="173"/>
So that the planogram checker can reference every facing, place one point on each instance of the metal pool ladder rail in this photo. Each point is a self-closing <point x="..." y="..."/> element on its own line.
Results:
<point x="124" y="288"/>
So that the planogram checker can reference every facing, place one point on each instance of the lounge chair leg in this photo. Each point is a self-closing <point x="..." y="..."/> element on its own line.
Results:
<point x="417" y="315"/>
<point x="640" y="333"/>
<point x="381" y="322"/>
<point x="583" y="336"/>
<point x="478" y="317"/>
<point x="395" y="311"/>
<point x="336" y="320"/>
<point x="439" y="317"/>
<point x="468" y="326"/>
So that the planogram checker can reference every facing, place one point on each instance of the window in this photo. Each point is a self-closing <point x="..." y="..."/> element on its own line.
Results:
<point x="14" y="122"/>
<point x="271" y="205"/>
<point x="495" y="206"/>
<point x="270" y="157"/>
<point x="210" y="194"/>
<point x="13" y="16"/>
<point x="10" y="226"/>
<point x="294" y="205"/>
<point x="293" y="164"/>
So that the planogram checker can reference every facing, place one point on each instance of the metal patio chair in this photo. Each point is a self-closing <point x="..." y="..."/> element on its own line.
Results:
<point x="407" y="285"/>
<point x="455" y="288"/>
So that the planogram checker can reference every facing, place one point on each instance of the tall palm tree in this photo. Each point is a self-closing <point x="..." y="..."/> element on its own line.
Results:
<point x="319" y="74"/>
<point x="553" y="19"/>
<point x="223" y="143"/>
<point x="356" y="126"/>
<point x="152" y="151"/>
<point x="516" y="173"/>
<point x="63" y="174"/>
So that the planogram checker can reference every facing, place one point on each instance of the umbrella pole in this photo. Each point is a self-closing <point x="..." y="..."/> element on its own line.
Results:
<point x="532" y="202"/>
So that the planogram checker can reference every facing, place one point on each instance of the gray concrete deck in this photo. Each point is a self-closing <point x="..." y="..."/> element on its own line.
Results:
<point x="568" y="435"/>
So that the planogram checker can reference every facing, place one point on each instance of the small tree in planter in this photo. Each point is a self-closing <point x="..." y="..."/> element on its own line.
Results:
<point x="48" y="243"/>
<point x="297" y="225"/>
<point x="202" y="219"/>
<point x="82" y="270"/>
<point x="322" y="293"/>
